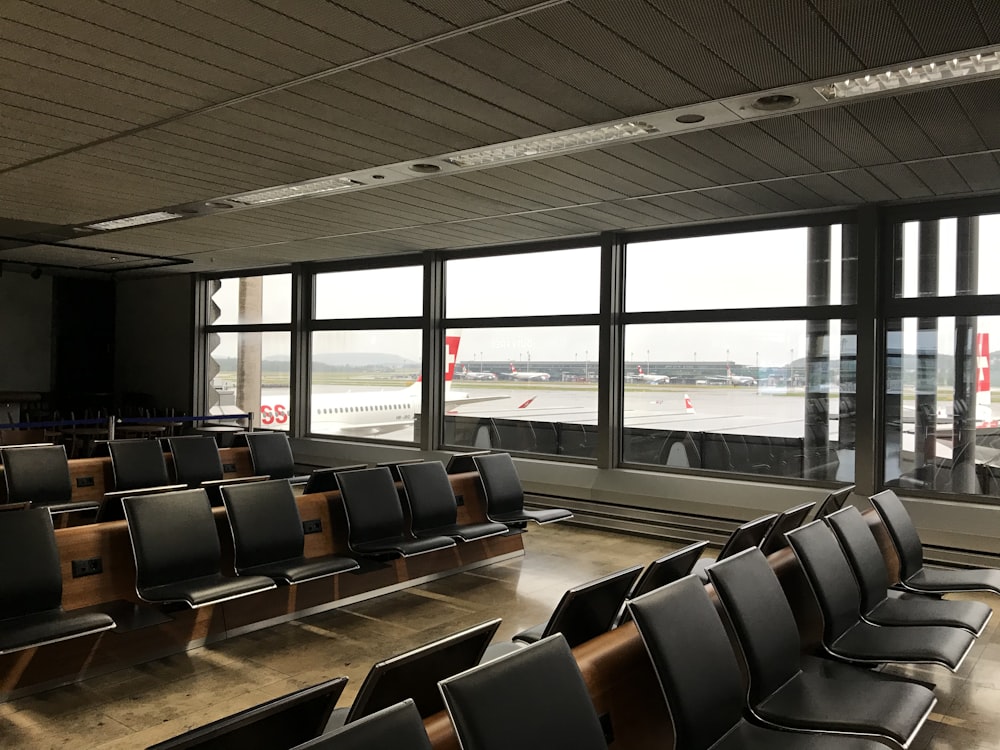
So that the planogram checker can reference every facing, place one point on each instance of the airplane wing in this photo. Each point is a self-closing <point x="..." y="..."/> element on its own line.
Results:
<point x="451" y="400"/>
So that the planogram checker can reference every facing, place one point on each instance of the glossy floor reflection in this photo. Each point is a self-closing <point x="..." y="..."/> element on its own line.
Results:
<point x="139" y="706"/>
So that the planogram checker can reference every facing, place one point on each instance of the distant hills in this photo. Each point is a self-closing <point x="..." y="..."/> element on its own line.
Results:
<point x="333" y="361"/>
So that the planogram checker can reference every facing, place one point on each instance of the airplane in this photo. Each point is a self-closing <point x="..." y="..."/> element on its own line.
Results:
<point x="467" y="375"/>
<point x="984" y="395"/>
<point x="731" y="379"/>
<point x="643" y="377"/>
<point x="515" y="374"/>
<point x="365" y="413"/>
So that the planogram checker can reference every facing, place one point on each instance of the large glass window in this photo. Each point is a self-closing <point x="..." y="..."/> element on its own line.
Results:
<point x="369" y="293"/>
<point x="248" y="300"/>
<point x="929" y="263"/>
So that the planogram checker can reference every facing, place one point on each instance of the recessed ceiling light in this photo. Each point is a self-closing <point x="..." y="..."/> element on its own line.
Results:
<point x="424" y="168"/>
<point x="775" y="102"/>
<point x="135" y="221"/>
<point x="298" y="190"/>
<point x="690" y="118"/>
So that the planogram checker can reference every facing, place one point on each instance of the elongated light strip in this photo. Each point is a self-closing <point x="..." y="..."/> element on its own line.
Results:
<point x="552" y="144"/>
<point x="298" y="190"/>
<point x="135" y="221"/>
<point x="913" y="75"/>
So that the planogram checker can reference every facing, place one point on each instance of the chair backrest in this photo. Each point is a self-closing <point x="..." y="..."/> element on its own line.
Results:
<point x="746" y="536"/>
<point x="829" y="575"/>
<point x="429" y="495"/>
<point x="833" y="501"/>
<point x="265" y="522"/>
<point x="393" y="466"/>
<point x="38" y="474"/>
<point x="584" y="612"/>
<point x="501" y="484"/>
<point x="787" y="520"/>
<point x="534" y="697"/>
<point x="32" y="579"/>
<point x="137" y="464"/>
<point x="902" y="531"/>
<point x="762" y="619"/>
<point x="112" y="509"/>
<point x="196" y="459"/>
<point x="863" y="553"/>
<point x="280" y="723"/>
<point x="398" y="726"/>
<point x="668" y="569"/>
<point x="416" y="674"/>
<point x="271" y="454"/>
<point x="325" y="479"/>
<point x="693" y="660"/>
<point x="173" y="537"/>
<point x="462" y="463"/>
<point x="372" y="504"/>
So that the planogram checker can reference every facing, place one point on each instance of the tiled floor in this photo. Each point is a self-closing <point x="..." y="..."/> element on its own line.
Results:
<point x="150" y="702"/>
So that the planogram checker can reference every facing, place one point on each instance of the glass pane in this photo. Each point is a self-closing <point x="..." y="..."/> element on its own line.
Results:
<point x="364" y="384"/>
<point x="530" y="390"/>
<point x="930" y="263"/>
<point x="942" y="429"/>
<point x="752" y="269"/>
<point x="250" y="372"/>
<point x="252" y="299"/>
<point x="558" y="282"/>
<point x="773" y="398"/>
<point x="369" y="293"/>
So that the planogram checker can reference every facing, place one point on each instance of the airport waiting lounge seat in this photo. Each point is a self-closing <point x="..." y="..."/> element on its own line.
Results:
<point x="532" y="698"/>
<point x="197" y="464"/>
<point x="325" y="478"/>
<point x="787" y="520"/>
<point x="31" y="587"/>
<point x="781" y="692"/>
<point x="883" y="607"/>
<point x="177" y="552"/>
<point x="505" y="495"/>
<point x="664" y="570"/>
<point x="268" y="538"/>
<point x="375" y="523"/>
<point x="415" y="674"/>
<point x="39" y="474"/>
<point x="833" y="502"/>
<point x="271" y="455"/>
<point x="397" y="727"/>
<point x="744" y="536"/>
<point x="845" y="634"/>
<point x="137" y="464"/>
<point x="701" y="680"/>
<point x="433" y="507"/>
<point x="278" y="724"/>
<point x="913" y="574"/>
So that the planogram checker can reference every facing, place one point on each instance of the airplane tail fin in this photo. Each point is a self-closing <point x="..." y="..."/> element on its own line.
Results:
<point x="512" y="368"/>
<point x="984" y="408"/>
<point x="639" y="367"/>
<point x="688" y="406"/>
<point x="450" y="358"/>
<point x="527" y="403"/>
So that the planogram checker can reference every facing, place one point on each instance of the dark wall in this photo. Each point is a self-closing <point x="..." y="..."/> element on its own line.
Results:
<point x="84" y="344"/>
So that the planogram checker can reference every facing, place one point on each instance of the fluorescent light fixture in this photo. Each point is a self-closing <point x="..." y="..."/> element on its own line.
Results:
<point x="553" y="144"/>
<point x="134" y="221"/>
<point x="944" y="70"/>
<point x="298" y="190"/>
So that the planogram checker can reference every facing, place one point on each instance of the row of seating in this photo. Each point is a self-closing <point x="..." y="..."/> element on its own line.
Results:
<point x="536" y="696"/>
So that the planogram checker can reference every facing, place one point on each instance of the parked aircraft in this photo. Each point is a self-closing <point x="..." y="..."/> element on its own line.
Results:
<point x="643" y="377"/>
<point x="731" y="379"/>
<point x="515" y="374"/>
<point x="472" y="375"/>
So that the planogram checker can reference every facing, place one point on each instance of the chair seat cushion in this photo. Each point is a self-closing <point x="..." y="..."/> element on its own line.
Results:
<point x="403" y="546"/>
<point x="299" y="569"/>
<point x="466" y="532"/>
<point x="971" y="616"/>
<point x="52" y="625"/>
<point x="198" y="592"/>
<point x="548" y="515"/>
<point x="916" y="644"/>
<point x="746" y="736"/>
<point x="944" y="580"/>
<point x="810" y="701"/>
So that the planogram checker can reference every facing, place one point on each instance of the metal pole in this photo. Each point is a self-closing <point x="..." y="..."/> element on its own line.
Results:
<point x="963" y="472"/>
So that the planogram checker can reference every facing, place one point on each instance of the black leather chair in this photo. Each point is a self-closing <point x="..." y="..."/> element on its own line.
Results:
<point x="461" y="463"/>
<point x="31" y="586"/>
<point x="913" y="575"/>
<point x="833" y="502"/>
<point x="780" y="691"/>
<point x="39" y="474"/>
<point x="267" y="535"/>
<point x="845" y="634"/>
<point x="532" y="698"/>
<point x="177" y="552"/>
<point x="393" y="466"/>
<point x="271" y="456"/>
<point x="196" y="459"/>
<point x="415" y="674"/>
<point x="883" y="607"/>
<point x="375" y="522"/>
<point x="398" y="727"/>
<point x="744" y="536"/>
<point x="432" y="505"/>
<point x="325" y="479"/>
<point x="586" y="611"/>
<point x="701" y="680"/>
<point x="505" y="496"/>
<point x="278" y="724"/>
<point x="662" y="571"/>
<point x="137" y="464"/>
<point x="787" y="520"/>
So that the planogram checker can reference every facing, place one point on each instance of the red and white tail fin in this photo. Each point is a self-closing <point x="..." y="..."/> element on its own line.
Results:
<point x="984" y="407"/>
<point x="729" y="373"/>
<point x="527" y="403"/>
<point x="512" y="368"/>
<point x="639" y="368"/>
<point x="450" y="358"/>
<point x="688" y="406"/>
